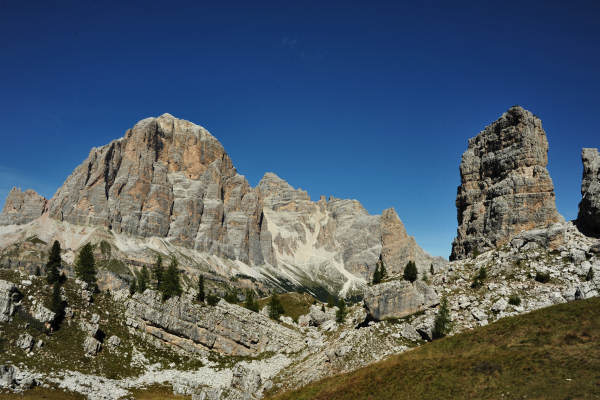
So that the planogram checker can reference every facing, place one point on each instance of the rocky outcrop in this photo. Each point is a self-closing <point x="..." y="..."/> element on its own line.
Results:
<point x="22" y="207"/>
<point x="8" y="300"/>
<point x="225" y="328"/>
<point x="169" y="178"/>
<point x="589" y="207"/>
<point x="505" y="186"/>
<point x="397" y="299"/>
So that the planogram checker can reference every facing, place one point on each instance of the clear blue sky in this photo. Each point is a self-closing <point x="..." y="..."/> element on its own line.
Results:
<point x="366" y="100"/>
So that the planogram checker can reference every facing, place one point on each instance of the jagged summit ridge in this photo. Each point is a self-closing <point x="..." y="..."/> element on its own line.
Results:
<point x="172" y="179"/>
<point x="505" y="186"/>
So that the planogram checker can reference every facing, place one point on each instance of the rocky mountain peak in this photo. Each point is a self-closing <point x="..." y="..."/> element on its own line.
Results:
<point x="505" y="186"/>
<point x="170" y="179"/>
<point x="22" y="207"/>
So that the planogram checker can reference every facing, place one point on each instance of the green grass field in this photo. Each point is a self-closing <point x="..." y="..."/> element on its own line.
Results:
<point x="553" y="353"/>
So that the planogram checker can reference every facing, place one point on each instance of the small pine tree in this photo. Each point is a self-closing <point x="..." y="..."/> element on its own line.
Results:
<point x="376" y="275"/>
<point x="431" y="269"/>
<point x="171" y="286"/>
<point x="85" y="266"/>
<point x="57" y="305"/>
<point x="157" y="272"/>
<point x="212" y="300"/>
<point x="200" y="296"/>
<point x="340" y="314"/>
<point x="442" y="322"/>
<point x="144" y="279"/>
<point x="322" y="307"/>
<point x="133" y="286"/>
<point x="410" y="271"/>
<point x="590" y="275"/>
<point x="275" y="308"/>
<point x="54" y="262"/>
<point x="251" y="303"/>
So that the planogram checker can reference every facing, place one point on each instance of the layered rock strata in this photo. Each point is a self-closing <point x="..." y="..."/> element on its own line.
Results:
<point x="505" y="186"/>
<point x="225" y="328"/>
<point x="589" y="207"/>
<point x="22" y="207"/>
<point x="172" y="179"/>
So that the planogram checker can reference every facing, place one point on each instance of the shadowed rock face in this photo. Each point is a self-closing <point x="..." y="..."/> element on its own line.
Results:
<point x="22" y="207"/>
<point x="505" y="186"/>
<point x="172" y="179"/>
<point x="589" y="207"/>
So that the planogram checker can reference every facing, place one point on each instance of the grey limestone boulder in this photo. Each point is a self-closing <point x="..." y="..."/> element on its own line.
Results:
<point x="397" y="299"/>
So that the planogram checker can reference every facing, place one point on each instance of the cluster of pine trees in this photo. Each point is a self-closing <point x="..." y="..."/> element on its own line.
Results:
<point x="166" y="281"/>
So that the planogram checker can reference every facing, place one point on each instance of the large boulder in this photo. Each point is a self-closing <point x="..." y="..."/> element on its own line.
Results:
<point x="589" y="207"/>
<point x="42" y="313"/>
<point x="505" y="186"/>
<point x="397" y="299"/>
<point x="8" y="300"/>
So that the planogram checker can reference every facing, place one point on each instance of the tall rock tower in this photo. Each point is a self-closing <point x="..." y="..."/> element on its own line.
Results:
<point x="589" y="207"/>
<point x="505" y="186"/>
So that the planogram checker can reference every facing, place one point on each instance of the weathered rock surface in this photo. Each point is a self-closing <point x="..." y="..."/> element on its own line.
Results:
<point x="505" y="186"/>
<point x="22" y="207"/>
<point x="169" y="178"/>
<point x="91" y="346"/>
<point x="8" y="299"/>
<point x="25" y="342"/>
<point x="397" y="299"/>
<point x="42" y="314"/>
<point x="226" y="328"/>
<point x="589" y="207"/>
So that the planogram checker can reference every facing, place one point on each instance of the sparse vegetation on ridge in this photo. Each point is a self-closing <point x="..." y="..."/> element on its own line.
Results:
<point x="550" y="353"/>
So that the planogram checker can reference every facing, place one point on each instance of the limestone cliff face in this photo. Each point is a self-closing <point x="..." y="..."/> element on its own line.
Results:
<point x="22" y="207"/>
<point x="589" y="207"/>
<point x="172" y="179"/>
<point x="505" y="186"/>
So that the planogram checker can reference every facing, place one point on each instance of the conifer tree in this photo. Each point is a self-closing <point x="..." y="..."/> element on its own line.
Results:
<point x="158" y="272"/>
<point x="441" y="324"/>
<point x="85" y="266"/>
<point x="54" y="262"/>
<point x="56" y="304"/>
<point x="133" y="286"/>
<point x="251" y="303"/>
<point x="340" y="314"/>
<point x="377" y="275"/>
<point x="275" y="308"/>
<point x="143" y="280"/>
<point x="410" y="272"/>
<point x="201" y="294"/>
<point x="170" y="285"/>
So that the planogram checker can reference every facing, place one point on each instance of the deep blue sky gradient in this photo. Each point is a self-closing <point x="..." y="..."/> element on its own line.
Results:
<point x="366" y="100"/>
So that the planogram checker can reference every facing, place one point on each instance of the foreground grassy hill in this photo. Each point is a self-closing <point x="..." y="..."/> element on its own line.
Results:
<point x="552" y="353"/>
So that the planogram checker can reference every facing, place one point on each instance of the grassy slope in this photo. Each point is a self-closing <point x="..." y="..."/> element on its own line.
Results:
<point x="294" y="304"/>
<point x="553" y="353"/>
